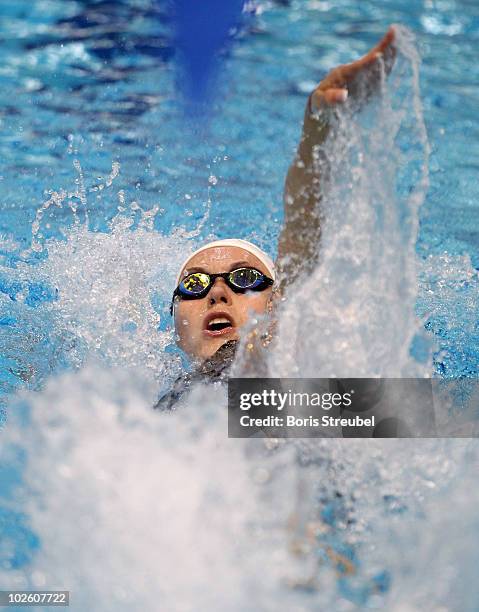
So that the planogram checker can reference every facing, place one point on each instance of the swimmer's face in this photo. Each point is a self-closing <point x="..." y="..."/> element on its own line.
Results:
<point x="193" y="318"/>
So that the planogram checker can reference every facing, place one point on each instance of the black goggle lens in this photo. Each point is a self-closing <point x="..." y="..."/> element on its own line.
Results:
<point x="195" y="284"/>
<point x="246" y="278"/>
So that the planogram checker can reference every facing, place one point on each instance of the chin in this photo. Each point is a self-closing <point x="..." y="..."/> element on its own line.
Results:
<point x="210" y="349"/>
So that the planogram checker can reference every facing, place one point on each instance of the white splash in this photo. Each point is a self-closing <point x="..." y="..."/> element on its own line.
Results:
<point x="354" y="316"/>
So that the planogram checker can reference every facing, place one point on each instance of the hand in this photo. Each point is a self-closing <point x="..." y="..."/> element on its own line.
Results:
<point x="357" y="80"/>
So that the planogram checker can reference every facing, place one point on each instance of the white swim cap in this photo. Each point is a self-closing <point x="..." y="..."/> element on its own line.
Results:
<point x="234" y="242"/>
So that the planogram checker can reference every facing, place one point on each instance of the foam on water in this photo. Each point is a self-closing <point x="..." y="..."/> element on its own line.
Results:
<point x="135" y="511"/>
<point x="449" y="286"/>
<point x="132" y="509"/>
<point x="96" y="294"/>
<point x="105" y="293"/>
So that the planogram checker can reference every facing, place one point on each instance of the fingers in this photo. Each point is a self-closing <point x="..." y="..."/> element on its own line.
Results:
<point x="358" y="79"/>
<point x="386" y="41"/>
<point x="329" y="97"/>
<point x="384" y="49"/>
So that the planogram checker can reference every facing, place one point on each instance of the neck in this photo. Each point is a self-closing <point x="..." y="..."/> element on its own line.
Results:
<point x="220" y="360"/>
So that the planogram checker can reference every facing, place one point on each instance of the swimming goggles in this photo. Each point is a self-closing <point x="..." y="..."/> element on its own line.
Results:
<point x="197" y="285"/>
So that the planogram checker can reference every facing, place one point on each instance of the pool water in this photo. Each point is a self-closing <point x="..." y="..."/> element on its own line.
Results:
<point x="106" y="183"/>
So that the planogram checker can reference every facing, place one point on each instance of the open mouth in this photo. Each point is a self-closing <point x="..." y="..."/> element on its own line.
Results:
<point x="218" y="323"/>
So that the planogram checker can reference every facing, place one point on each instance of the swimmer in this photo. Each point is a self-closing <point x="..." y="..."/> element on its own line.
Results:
<point x="224" y="283"/>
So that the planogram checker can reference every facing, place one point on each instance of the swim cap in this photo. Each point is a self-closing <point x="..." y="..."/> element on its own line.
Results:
<point x="234" y="242"/>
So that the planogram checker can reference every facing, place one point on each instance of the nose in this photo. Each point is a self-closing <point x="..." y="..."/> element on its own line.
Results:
<point x="219" y="293"/>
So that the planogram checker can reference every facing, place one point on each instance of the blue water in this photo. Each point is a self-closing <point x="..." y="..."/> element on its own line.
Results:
<point x="97" y="82"/>
<point x="90" y="84"/>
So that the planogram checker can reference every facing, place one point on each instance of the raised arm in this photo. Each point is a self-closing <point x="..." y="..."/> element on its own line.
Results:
<point x="298" y="242"/>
